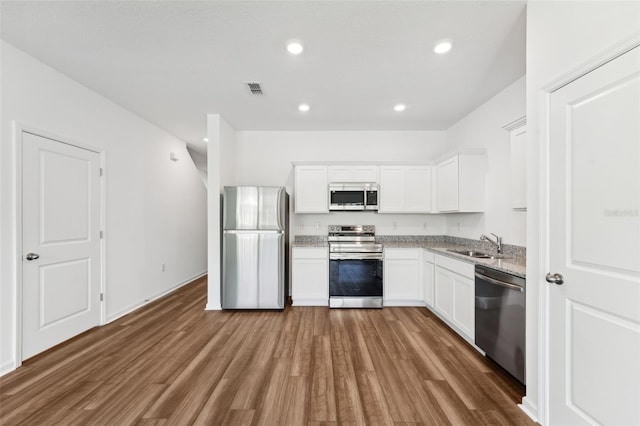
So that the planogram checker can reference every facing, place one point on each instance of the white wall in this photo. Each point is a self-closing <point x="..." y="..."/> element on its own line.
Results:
<point x="561" y="36"/>
<point x="264" y="158"/>
<point x="482" y="128"/>
<point x="155" y="208"/>
<point x="221" y="157"/>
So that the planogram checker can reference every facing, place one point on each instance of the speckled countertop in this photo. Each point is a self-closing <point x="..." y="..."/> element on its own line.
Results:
<point x="514" y="264"/>
<point x="310" y="241"/>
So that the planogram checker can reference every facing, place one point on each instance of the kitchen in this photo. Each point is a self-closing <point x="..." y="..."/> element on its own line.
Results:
<point x="266" y="157"/>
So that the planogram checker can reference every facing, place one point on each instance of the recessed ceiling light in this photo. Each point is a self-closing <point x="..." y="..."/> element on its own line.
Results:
<point x="295" y="48"/>
<point x="443" y="46"/>
<point x="400" y="107"/>
<point x="206" y="139"/>
<point x="304" y="107"/>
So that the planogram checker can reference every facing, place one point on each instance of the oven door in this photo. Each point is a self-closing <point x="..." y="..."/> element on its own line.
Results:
<point x="355" y="282"/>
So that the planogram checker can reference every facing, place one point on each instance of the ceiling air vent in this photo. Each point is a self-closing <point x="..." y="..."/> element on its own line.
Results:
<point x="254" y="87"/>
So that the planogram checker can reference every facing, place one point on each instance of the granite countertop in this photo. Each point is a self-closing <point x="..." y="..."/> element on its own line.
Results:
<point x="310" y="241"/>
<point x="515" y="263"/>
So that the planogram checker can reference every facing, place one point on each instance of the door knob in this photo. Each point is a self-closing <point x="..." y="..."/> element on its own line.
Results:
<point x="32" y="256"/>
<point x="555" y="278"/>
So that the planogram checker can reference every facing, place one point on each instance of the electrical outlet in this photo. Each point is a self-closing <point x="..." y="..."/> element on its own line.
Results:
<point x="163" y="267"/>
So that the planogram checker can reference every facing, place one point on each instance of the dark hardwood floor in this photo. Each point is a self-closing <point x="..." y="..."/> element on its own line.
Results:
<point x="171" y="362"/>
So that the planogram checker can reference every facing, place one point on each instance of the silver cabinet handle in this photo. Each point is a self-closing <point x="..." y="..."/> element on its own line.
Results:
<point x="32" y="256"/>
<point x="555" y="278"/>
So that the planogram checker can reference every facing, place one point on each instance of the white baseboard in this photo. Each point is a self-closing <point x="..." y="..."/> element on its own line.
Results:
<point x="213" y="307"/>
<point x="310" y="302"/>
<point x="404" y="302"/>
<point x="133" y="307"/>
<point x="529" y="408"/>
<point x="7" y="368"/>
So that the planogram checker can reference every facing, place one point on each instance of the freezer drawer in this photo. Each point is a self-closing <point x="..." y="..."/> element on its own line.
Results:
<point x="253" y="270"/>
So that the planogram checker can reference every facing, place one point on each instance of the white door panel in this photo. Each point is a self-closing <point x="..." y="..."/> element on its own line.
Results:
<point x="61" y="224"/>
<point x="594" y="224"/>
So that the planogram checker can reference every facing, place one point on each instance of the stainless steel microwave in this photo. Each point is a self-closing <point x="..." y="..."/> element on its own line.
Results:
<point x="353" y="196"/>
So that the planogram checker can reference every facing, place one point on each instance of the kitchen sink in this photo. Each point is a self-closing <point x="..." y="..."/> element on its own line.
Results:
<point x="478" y="254"/>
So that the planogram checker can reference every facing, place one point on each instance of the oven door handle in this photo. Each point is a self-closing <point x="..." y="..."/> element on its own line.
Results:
<point x="355" y="256"/>
<point x="500" y="283"/>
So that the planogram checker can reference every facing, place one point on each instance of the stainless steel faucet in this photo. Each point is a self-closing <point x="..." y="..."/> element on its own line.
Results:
<point x="497" y="242"/>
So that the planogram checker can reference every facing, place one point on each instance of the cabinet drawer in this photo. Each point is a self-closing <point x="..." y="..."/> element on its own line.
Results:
<point x="458" y="266"/>
<point x="310" y="253"/>
<point x="428" y="256"/>
<point x="402" y="253"/>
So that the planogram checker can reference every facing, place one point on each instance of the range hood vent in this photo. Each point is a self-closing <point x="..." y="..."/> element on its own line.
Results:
<point x="254" y="87"/>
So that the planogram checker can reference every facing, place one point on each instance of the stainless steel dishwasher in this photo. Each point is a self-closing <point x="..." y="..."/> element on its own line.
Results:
<point x="500" y="318"/>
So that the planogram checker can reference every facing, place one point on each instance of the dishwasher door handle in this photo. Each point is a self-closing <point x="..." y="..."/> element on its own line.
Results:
<point x="500" y="283"/>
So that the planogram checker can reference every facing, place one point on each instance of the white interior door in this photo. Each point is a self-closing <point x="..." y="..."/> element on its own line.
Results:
<point x="594" y="243"/>
<point x="60" y="241"/>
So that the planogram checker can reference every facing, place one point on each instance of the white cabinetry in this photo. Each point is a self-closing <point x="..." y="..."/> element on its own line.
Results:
<point x="428" y="278"/>
<point x="460" y="183"/>
<point x="518" y="134"/>
<point x="353" y="173"/>
<point x="405" y="189"/>
<point x="311" y="189"/>
<point x="403" y="277"/>
<point x="310" y="276"/>
<point x="455" y="294"/>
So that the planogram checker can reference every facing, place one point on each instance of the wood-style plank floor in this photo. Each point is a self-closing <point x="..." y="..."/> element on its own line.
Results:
<point x="171" y="362"/>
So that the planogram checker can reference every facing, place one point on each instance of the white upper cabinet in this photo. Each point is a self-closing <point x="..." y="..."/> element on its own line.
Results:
<point x="353" y="173"/>
<point x="405" y="189"/>
<point x="311" y="189"/>
<point x="392" y="196"/>
<point x="518" y="135"/>
<point x="461" y="183"/>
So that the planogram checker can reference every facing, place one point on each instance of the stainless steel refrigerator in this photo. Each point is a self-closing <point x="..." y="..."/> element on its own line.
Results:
<point x="255" y="247"/>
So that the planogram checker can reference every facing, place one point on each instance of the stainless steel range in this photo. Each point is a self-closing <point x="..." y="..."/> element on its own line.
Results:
<point x="355" y="267"/>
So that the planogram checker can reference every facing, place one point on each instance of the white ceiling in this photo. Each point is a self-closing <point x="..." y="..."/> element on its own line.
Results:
<point x="172" y="62"/>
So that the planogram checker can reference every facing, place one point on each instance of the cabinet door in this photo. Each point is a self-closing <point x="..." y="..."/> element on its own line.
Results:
<point x="352" y="173"/>
<point x="464" y="305"/>
<point x="518" y="169"/>
<point x="428" y="278"/>
<point x="365" y="174"/>
<point x="448" y="185"/>
<point x="403" y="276"/>
<point x="392" y="189"/>
<point x="418" y="189"/>
<point x="311" y="189"/>
<point x="310" y="277"/>
<point x="444" y="293"/>
<point x="402" y="280"/>
<point x="341" y="174"/>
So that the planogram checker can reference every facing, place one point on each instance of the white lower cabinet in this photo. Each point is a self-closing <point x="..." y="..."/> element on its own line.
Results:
<point x="403" y="277"/>
<point x="444" y="293"/>
<point x="455" y="294"/>
<point x="428" y="278"/>
<point x="310" y="276"/>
